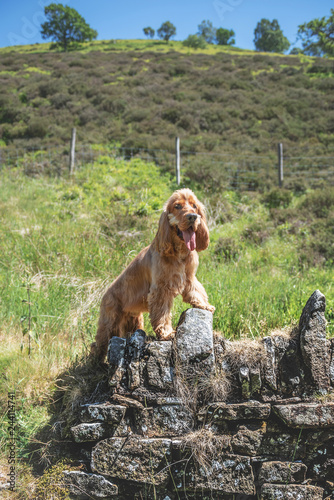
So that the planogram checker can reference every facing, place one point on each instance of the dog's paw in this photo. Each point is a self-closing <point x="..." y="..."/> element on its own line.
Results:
<point x="169" y="335"/>
<point x="211" y="309"/>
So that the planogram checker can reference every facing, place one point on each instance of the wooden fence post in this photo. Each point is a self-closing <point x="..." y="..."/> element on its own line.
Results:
<point x="280" y="164"/>
<point x="72" y="151"/>
<point x="178" y="163"/>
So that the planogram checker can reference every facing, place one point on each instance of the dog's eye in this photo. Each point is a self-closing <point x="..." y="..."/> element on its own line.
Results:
<point x="178" y="206"/>
<point x="194" y="206"/>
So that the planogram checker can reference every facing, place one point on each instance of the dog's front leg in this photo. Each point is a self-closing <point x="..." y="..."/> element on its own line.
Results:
<point x="195" y="294"/>
<point x="160" y="304"/>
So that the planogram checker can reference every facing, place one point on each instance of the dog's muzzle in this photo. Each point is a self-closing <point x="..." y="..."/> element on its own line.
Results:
<point x="192" y="217"/>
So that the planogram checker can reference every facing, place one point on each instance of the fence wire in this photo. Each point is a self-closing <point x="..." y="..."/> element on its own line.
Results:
<point x="238" y="171"/>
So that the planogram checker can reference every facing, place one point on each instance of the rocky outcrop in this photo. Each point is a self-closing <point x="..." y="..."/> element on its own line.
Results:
<point x="314" y="346"/>
<point x="164" y="430"/>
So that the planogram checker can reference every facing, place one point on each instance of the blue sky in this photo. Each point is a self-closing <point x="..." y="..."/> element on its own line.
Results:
<point x="20" y="20"/>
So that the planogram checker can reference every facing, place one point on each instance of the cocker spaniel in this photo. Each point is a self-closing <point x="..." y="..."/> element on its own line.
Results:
<point x="159" y="273"/>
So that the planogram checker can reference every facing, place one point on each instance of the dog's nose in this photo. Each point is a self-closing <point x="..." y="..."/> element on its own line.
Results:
<point x="192" y="217"/>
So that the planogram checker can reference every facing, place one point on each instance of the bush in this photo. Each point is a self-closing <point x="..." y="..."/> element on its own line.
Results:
<point x="37" y="128"/>
<point x="136" y="115"/>
<point x="172" y="114"/>
<point x="49" y="88"/>
<point x="227" y="249"/>
<point x="195" y="42"/>
<point x="320" y="202"/>
<point x="277" y="198"/>
<point x="114" y="106"/>
<point x="88" y="114"/>
<point x="60" y="100"/>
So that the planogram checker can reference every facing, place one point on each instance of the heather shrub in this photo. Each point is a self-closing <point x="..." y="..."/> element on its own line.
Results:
<point x="136" y="115"/>
<point x="60" y="100"/>
<point x="49" y="88"/>
<point x="277" y="197"/>
<point x="37" y="128"/>
<point x="227" y="249"/>
<point x="320" y="202"/>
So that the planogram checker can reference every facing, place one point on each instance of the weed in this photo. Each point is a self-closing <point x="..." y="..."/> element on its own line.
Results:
<point x="69" y="238"/>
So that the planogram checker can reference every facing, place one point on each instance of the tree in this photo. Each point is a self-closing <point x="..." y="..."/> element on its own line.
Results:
<point x="224" y="37"/>
<point x="166" y="31"/>
<point x="295" y="51"/>
<point x="65" y="26"/>
<point x="195" y="42"/>
<point x="269" y="37"/>
<point x="317" y="36"/>
<point x="149" y="32"/>
<point x="207" y="31"/>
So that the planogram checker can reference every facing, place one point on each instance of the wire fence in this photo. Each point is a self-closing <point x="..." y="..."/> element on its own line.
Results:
<point x="237" y="171"/>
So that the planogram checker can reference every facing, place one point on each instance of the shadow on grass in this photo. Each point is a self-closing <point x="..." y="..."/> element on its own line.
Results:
<point x="84" y="382"/>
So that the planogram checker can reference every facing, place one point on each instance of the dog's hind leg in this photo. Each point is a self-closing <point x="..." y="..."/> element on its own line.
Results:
<point x="130" y="323"/>
<point x="109" y="322"/>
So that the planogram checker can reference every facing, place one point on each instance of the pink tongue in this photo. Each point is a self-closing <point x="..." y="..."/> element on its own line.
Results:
<point x="189" y="237"/>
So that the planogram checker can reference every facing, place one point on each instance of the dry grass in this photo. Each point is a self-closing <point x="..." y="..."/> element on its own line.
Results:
<point x="195" y="387"/>
<point x="83" y="382"/>
<point x="204" y="445"/>
<point x="248" y="353"/>
<point x="88" y="295"/>
<point x="287" y="332"/>
<point x="25" y="484"/>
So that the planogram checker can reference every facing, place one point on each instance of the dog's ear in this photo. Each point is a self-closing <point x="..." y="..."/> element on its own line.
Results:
<point x="202" y="233"/>
<point x="164" y="243"/>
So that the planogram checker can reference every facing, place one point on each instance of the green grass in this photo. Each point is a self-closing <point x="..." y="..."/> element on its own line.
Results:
<point x="64" y="240"/>
<point x="126" y="45"/>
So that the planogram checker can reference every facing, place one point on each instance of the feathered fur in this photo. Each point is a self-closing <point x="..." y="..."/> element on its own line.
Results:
<point x="159" y="273"/>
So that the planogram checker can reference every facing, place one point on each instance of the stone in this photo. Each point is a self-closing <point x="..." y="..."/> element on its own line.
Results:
<point x="314" y="346"/>
<point x="306" y="415"/>
<point x="87" y="486"/>
<point x="135" y="459"/>
<point x="323" y="470"/>
<point x="282" y="472"/>
<point x="159" y="365"/>
<point x="219" y="412"/>
<point x="248" y="439"/>
<point x="105" y="412"/>
<point x="134" y="351"/>
<point x="245" y="382"/>
<point x="165" y="401"/>
<point x="127" y="402"/>
<point x="194" y="339"/>
<point x="135" y="345"/>
<point x="331" y="366"/>
<point x="255" y="380"/>
<point x="270" y="363"/>
<point x="280" y="445"/>
<point x="289" y="372"/>
<point x="116" y="360"/>
<point x="291" y="491"/>
<point x="226" y="474"/>
<point x="90" y="432"/>
<point x="167" y="420"/>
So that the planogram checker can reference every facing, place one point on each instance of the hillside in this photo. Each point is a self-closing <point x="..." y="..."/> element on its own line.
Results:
<point x="65" y="238"/>
<point x="141" y="94"/>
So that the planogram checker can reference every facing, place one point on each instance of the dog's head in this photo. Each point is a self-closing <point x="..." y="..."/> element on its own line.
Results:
<point x="182" y="224"/>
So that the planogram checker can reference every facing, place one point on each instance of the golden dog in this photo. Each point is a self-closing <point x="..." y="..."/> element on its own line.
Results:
<point x="159" y="273"/>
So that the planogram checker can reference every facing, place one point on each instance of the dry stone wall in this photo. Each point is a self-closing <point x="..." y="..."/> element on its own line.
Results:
<point x="204" y="417"/>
